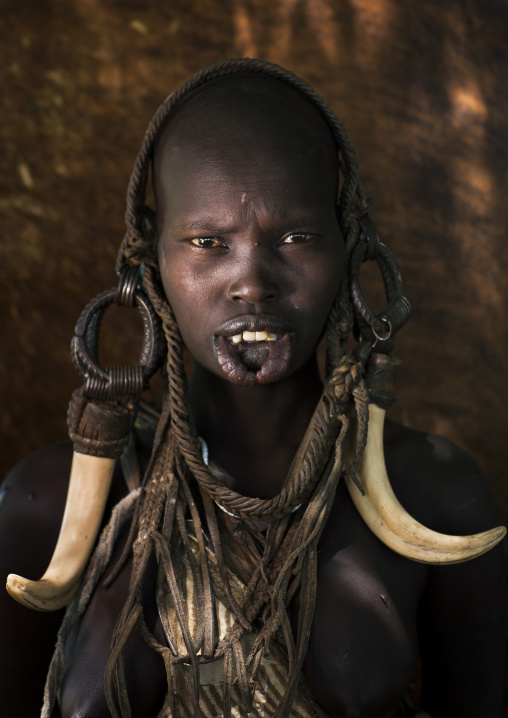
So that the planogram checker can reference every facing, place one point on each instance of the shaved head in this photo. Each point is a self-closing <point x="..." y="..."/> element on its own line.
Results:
<point x="249" y="129"/>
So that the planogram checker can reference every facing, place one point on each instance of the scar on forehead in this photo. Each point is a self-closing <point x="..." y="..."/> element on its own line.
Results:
<point x="244" y="195"/>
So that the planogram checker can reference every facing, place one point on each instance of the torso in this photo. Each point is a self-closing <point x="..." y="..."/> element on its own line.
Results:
<point x="368" y="618"/>
<point x="363" y="647"/>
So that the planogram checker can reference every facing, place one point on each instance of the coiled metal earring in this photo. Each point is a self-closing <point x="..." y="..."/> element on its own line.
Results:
<point x="112" y="382"/>
<point x="378" y="330"/>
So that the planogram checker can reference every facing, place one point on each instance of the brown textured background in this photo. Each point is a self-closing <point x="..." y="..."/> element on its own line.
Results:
<point x="421" y="87"/>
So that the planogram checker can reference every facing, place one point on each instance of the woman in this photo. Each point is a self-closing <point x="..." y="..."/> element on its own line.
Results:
<point x="245" y="577"/>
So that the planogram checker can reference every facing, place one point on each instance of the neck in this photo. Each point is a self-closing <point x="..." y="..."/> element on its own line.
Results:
<point x="253" y="433"/>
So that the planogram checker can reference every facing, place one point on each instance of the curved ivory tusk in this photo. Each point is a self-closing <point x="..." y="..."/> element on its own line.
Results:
<point x="391" y="523"/>
<point x="89" y="485"/>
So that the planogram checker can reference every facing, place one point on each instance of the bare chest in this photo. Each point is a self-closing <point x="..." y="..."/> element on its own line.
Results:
<point x="363" y="644"/>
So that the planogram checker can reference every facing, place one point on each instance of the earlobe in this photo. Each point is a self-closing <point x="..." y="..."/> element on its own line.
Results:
<point x="377" y="329"/>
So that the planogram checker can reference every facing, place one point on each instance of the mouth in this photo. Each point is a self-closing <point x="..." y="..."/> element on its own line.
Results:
<point x="253" y="349"/>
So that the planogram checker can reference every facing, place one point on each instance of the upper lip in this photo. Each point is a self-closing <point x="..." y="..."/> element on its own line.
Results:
<point x="254" y="323"/>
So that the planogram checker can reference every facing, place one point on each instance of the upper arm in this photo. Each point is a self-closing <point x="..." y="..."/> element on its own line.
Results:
<point x="461" y="617"/>
<point x="32" y="500"/>
<point x="462" y="638"/>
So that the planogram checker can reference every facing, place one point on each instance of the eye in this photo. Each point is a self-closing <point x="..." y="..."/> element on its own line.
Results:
<point x="296" y="238"/>
<point x="206" y="242"/>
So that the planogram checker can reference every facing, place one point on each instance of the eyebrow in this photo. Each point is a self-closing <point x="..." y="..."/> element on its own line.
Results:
<point x="205" y="223"/>
<point x="209" y="224"/>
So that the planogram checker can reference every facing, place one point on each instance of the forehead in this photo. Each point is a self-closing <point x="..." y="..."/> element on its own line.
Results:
<point x="244" y="134"/>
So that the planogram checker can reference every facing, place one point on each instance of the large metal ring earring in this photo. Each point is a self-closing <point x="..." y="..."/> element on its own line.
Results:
<point x="111" y="382"/>
<point x="378" y="330"/>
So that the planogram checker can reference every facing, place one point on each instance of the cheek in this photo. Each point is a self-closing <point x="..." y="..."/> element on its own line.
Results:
<point x="180" y="288"/>
<point x="179" y="281"/>
<point x="324" y="278"/>
<point x="192" y="299"/>
<point x="184" y="298"/>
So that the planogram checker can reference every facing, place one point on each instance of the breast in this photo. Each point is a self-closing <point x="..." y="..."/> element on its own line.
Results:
<point x="363" y="646"/>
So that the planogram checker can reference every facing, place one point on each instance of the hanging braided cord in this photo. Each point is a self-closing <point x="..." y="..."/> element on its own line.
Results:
<point x="178" y="513"/>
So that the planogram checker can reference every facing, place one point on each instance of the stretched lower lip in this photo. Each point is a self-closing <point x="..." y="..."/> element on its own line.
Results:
<point x="272" y="369"/>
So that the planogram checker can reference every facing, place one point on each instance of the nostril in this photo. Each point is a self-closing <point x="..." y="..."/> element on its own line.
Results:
<point x="252" y="289"/>
<point x="252" y="294"/>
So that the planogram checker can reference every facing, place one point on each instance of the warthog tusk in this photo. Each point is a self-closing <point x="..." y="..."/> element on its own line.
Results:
<point x="89" y="485"/>
<point x="391" y="523"/>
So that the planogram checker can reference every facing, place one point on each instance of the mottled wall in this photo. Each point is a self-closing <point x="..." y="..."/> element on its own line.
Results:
<point x="421" y="86"/>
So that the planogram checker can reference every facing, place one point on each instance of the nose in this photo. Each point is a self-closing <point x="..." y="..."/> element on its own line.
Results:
<point x="254" y="280"/>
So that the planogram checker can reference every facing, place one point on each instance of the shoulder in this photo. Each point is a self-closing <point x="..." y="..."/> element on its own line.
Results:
<point x="32" y="503"/>
<point x="34" y="491"/>
<point x="439" y="483"/>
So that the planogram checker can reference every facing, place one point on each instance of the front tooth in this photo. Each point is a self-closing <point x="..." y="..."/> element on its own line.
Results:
<point x="249" y="336"/>
<point x="261" y="336"/>
<point x="236" y="339"/>
<point x="272" y="337"/>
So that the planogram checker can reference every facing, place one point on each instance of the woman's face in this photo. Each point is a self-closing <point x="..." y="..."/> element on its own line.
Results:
<point x="250" y="252"/>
